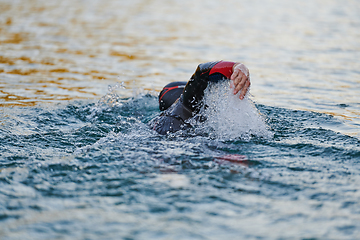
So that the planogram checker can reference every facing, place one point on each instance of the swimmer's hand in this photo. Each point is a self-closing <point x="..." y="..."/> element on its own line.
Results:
<point x="240" y="79"/>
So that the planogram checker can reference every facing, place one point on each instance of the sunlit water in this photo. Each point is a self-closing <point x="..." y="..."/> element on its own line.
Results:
<point x="78" y="85"/>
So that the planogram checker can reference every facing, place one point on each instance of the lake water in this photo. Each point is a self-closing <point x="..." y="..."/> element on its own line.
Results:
<point x="79" y="82"/>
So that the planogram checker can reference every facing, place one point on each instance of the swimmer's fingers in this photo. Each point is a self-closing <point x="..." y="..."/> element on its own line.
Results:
<point x="239" y="82"/>
<point x="240" y="67"/>
<point x="245" y="89"/>
<point x="237" y="73"/>
<point x="241" y="79"/>
<point x="241" y="86"/>
<point x="236" y="77"/>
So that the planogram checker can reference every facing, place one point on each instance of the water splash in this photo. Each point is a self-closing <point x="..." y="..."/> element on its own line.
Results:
<point x="230" y="118"/>
<point x="108" y="101"/>
<point x="112" y="97"/>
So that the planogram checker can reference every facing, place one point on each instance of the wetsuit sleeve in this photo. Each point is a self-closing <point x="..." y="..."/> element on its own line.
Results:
<point x="205" y="73"/>
<point x="223" y="68"/>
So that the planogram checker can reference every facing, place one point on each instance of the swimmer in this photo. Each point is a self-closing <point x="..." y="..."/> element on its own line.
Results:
<point x="180" y="101"/>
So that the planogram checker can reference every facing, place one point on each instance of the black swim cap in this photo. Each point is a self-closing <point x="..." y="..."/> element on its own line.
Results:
<point x="170" y="94"/>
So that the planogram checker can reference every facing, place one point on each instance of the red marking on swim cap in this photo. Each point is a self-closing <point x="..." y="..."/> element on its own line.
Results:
<point x="225" y="68"/>
<point x="169" y="89"/>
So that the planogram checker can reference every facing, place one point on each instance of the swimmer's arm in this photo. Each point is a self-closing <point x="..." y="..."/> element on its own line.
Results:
<point x="194" y="89"/>
<point x="235" y="71"/>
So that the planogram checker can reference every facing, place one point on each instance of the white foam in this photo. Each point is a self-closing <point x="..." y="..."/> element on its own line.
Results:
<point x="230" y="118"/>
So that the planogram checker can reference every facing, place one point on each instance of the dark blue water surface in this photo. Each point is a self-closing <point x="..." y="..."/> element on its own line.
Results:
<point x="87" y="170"/>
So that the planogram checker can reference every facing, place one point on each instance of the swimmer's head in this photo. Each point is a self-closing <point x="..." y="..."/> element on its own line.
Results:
<point x="170" y="94"/>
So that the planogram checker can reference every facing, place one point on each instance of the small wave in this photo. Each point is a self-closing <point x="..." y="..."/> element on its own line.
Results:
<point x="230" y="118"/>
<point x="121" y="98"/>
<point x="109" y="100"/>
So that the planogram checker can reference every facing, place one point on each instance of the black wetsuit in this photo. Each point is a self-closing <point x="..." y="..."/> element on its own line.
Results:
<point x="189" y="103"/>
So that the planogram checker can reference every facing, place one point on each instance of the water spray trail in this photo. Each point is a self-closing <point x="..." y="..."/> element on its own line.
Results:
<point x="229" y="118"/>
